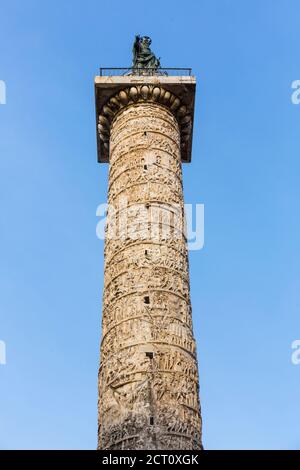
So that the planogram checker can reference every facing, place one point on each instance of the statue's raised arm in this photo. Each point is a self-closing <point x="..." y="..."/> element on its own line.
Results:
<point x="135" y="50"/>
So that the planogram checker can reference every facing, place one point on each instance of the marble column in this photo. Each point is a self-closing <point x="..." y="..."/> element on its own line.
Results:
<point x="148" y="376"/>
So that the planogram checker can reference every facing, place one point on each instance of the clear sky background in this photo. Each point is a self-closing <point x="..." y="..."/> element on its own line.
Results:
<point x="245" y="283"/>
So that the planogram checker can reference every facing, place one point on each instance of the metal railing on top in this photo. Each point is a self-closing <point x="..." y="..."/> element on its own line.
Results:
<point x="123" y="71"/>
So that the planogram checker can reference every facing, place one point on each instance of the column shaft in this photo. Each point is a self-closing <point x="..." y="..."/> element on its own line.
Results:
<point x="148" y="377"/>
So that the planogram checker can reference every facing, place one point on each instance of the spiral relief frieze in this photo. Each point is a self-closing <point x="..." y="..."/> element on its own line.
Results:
<point x="148" y="376"/>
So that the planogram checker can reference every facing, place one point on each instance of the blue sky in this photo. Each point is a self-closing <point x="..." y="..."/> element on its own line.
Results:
<point x="245" y="169"/>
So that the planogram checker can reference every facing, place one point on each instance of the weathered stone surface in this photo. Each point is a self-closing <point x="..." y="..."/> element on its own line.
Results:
<point x="148" y="376"/>
<point x="175" y="93"/>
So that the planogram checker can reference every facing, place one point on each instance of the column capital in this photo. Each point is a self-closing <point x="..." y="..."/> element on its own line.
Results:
<point x="114" y="93"/>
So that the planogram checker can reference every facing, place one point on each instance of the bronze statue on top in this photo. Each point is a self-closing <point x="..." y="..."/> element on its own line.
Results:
<point x="143" y="57"/>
